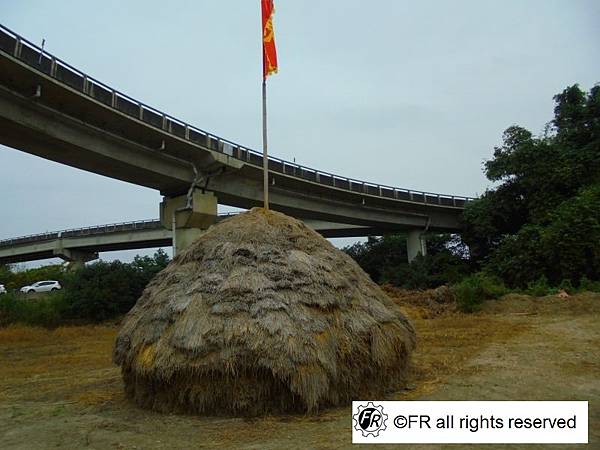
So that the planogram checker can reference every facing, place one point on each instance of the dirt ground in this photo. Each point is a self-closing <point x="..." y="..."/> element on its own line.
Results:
<point x="58" y="389"/>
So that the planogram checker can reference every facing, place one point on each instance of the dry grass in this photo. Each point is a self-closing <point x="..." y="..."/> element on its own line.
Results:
<point x="25" y="335"/>
<point x="584" y="303"/>
<point x="447" y="338"/>
<point x="73" y="363"/>
<point x="446" y="342"/>
<point x="59" y="364"/>
<point x="59" y="388"/>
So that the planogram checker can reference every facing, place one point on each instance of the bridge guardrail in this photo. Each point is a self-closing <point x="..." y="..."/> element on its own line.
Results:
<point x="84" y="231"/>
<point x="150" y="224"/>
<point x="37" y="58"/>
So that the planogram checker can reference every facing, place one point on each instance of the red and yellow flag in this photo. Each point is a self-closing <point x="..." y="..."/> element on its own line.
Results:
<point x="269" y="50"/>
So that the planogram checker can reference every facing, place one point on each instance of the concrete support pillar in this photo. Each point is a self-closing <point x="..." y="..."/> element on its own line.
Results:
<point x="415" y="244"/>
<point x="188" y="218"/>
<point x="183" y="238"/>
<point x="75" y="258"/>
<point x="76" y="264"/>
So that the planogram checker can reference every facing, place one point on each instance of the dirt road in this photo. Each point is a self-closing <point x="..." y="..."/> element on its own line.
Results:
<point x="58" y="389"/>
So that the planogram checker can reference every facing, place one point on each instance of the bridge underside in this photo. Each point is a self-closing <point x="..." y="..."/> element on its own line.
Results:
<point x="65" y="126"/>
<point x="153" y="236"/>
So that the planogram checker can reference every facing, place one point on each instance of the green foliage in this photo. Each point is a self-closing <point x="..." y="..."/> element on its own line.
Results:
<point x="566" y="247"/>
<point x="567" y="286"/>
<point x="493" y="287"/>
<point x="570" y="241"/>
<point x="47" y="310"/>
<point x="543" y="219"/>
<point x="385" y="260"/>
<point x="379" y="253"/>
<point x="427" y="272"/>
<point x="5" y="274"/>
<point x="151" y="265"/>
<point x="94" y="293"/>
<point x="468" y="295"/>
<point x="104" y="290"/>
<point x="587" y="285"/>
<point x="518" y="259"/>
<point x="473" y="290"/>
<point x="540" y="288"/>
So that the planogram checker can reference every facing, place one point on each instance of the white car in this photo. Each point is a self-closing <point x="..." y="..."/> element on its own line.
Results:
<point x="42" y="286"/>
<point x="2" y="289"/>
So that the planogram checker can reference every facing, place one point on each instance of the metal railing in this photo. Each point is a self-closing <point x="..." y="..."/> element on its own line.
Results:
<point x="85" y="231"/>
<point x="151" y="224"/>
<point x="18" y="47"/>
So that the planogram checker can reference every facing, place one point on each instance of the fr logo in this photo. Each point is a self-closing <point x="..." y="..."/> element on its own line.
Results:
<point x="370" y="420"/>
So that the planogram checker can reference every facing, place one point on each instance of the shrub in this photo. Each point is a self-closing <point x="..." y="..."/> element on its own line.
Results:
<point x="49" y="310"/>
<point x="567" y="286"/>
<point x="493" y="286"/>
<point x="588" y="285"/>
<point x="385" y="260"/>
<point x="540" y="288"/>
<point x="468" y="295"/>
<point x="379" y="254"/>
<point x="103" y="290"/>
<point x="473" y="290"/>
<point x="427" y="272"/>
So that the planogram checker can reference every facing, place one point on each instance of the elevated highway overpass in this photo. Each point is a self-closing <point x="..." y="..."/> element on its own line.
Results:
<point x="80" y="245"/>
<point x="51" y="109"/>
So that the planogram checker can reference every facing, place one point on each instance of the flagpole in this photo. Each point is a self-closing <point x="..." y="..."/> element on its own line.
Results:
<point x="265" y="155"/>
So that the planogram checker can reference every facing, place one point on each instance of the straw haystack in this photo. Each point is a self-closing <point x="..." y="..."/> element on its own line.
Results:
<point x="261" y="314"/>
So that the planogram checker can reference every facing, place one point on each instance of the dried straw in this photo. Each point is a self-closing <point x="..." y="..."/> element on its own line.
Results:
<point x="261" y="314"/>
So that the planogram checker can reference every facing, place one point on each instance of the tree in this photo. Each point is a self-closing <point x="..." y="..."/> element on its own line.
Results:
<point x="103" y="290"/>
<point x="542" y="218"/>
<point x="379" y="253"/>
<point x="385" y="259"/>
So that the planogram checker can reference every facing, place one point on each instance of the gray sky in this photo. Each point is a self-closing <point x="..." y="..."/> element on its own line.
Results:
<point x="410" y="94"/>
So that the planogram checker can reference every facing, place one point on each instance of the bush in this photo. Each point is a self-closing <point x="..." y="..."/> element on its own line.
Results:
<point x="427" y="272"/>
<point x="567" y="286"/>
<point x="49" y="310"/>
<point x="103" y="290"/>
<point x="540" y="288"/>
<point x="587" y="285"/>
<point x="385" y="260"/>
<point x="471" y="292"/>
<point x="468" y="295"/>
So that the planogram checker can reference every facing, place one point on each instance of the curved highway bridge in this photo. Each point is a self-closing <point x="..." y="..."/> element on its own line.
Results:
<point x="84" y="244"/>
<point x="50" y="109"/>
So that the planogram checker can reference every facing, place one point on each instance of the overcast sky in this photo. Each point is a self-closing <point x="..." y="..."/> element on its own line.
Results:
<point x="404" y="93"/>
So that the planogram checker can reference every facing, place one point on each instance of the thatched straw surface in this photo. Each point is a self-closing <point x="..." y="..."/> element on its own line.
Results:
<point x="261" y="314"/>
